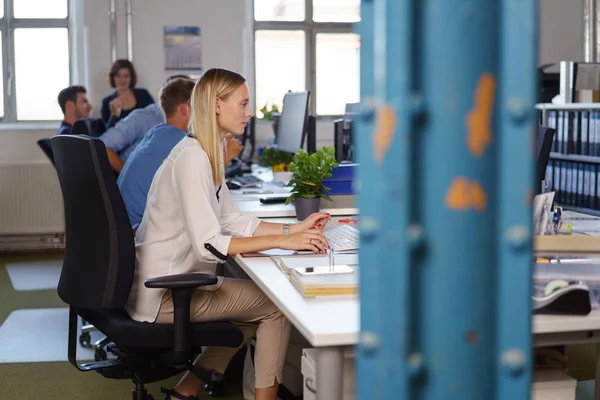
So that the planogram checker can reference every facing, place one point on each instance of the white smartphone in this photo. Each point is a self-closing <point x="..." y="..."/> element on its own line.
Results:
<point x="325" y="270"/>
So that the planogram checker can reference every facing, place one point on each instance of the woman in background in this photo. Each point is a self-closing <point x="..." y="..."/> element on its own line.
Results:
<point x="126" y="97"/>
<point x="190" y="224"/>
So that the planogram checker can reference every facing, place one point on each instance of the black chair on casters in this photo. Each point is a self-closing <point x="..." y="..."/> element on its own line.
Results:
<point x="98" y="272"/>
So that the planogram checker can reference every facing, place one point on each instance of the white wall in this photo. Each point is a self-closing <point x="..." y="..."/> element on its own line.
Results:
<point x="227" y="37"/>
<point x="221" y="24"/>
<point x="561" y="30"/>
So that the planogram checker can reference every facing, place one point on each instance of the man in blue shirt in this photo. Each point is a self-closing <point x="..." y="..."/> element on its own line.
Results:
<point x="74" y="104"/>
<point x="136" y="176"/>
<point x="122" y="139"/>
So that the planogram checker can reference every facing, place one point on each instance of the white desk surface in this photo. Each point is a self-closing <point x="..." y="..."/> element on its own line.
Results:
<point x="323" y="322"/>
<point x="336" y="322"/>
<point x="543" y="324"/>
<point x="256" y="209"/>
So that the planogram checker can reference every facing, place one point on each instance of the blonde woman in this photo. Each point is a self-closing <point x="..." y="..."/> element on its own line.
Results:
<point x="190" y="224"/>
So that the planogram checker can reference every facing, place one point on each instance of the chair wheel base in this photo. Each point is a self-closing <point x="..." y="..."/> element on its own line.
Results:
<point x="215" y="389"/>
<point x="85" y="339"/>
<point x="100" y="355"/>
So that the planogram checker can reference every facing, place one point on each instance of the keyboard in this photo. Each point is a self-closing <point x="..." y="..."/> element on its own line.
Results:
<point x="342" y="237"/>
<point x="247" y="181"/>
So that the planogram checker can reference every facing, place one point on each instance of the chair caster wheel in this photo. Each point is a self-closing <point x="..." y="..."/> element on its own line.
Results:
<point x="100" y="355"/>
<point x="215" y="389"/>
<point x="85" y="339"/>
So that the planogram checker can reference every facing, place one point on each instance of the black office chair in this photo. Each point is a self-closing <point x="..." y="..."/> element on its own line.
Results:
<point x="94" y="127"/>
<point x="97" y="274"/>
<point x="46" y="147"/>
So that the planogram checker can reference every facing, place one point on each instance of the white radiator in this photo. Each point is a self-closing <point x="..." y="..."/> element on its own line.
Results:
<point x="30" y="200"/>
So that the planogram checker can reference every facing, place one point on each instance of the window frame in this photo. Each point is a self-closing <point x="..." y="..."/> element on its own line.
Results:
<point x="8" y="24"/>
<point x="311" y="29"/>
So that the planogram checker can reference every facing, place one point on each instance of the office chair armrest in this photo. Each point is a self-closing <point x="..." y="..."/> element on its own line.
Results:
<point x="181" y="281"/>
<point x="182" y="286"/>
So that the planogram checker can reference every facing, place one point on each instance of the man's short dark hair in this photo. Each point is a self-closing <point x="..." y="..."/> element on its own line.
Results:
<point x="176" y="92"/>
<point x="67" y="94"/>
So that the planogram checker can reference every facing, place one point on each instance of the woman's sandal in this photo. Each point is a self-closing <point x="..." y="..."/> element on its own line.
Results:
<point x="170" y="393"/>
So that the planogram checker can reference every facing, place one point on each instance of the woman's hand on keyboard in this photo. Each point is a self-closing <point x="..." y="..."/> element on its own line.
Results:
<point x="312" y="240"/>
<point x="313" y="221"/>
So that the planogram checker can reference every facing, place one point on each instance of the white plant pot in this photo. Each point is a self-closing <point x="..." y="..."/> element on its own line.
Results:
<point x="282" y="176"/>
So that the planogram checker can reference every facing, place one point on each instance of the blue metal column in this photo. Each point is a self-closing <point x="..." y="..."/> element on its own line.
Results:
<point x="518" y="93"/>
<point x="447" y="92"/>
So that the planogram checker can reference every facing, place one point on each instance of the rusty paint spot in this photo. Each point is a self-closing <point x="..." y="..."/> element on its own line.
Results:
<point x="472" y="337"/>
<point x="464" y="194"/>
<point x="478" y="120"/>
<point x="478" y="197"/>
<point x="385" y="127"/>
<point x="458" y="196"/>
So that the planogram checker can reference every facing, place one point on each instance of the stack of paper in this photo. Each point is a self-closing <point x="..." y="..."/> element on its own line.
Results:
<point x="321" y="285"/>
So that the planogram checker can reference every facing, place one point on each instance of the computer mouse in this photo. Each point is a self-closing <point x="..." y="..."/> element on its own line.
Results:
<point x="233" y="186"/>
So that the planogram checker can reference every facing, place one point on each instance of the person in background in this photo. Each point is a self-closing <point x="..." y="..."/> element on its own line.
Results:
<point x="190" y="224"/>
<point x="74" y="104"/>
<point x="122" y="139"/>
<point x="126" y="97"/>
<point x="136" y="176"/>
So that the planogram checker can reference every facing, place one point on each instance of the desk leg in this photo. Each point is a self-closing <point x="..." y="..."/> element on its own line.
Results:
<point x="597" y="382"/>
<point x="330" y="366"/>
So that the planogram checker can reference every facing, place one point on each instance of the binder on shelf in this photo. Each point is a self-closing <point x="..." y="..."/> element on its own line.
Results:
<point x="576" y="131"/>
<point x="562" y="198"/>
<point x="581" y="185"/>
<point x="584" y="129"/>
<point x="596" y="139"/>
<point x="552" y="124"/>
<point x="561" y="132"/>
<point x="587" y="203"/>
<point x="570" y="132"/>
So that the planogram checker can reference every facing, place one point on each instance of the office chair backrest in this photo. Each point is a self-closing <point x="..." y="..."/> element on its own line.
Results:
<point x="100" y="255"/>
<point x="46" y="147"/>
<point x="94" y="127"/>
<point x="543" y="148"/>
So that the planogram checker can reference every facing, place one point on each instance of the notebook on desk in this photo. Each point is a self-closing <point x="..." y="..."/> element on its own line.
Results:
<point x="320" y="285"/>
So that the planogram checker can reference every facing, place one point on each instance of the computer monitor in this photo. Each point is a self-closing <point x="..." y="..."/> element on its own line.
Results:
<point x="343" y="134"/>
<point x="352" y="108"/>
<point x="293" y="121"/>
<point x="543" y="148"/>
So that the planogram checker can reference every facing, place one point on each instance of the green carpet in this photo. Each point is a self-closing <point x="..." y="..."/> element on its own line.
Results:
<point x="60" y="380"/>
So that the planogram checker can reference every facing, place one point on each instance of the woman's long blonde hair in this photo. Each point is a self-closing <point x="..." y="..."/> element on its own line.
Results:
<point x="215" y="83"/>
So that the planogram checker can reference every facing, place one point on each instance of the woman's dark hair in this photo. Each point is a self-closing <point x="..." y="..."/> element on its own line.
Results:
<point x="119" y="65"/>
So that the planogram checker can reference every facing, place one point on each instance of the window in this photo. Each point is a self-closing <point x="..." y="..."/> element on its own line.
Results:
<point x="307" y="45"/>
<point x="35" y="58"/>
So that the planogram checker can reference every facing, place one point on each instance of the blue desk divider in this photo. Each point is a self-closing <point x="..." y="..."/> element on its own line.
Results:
<point x="445" y="178"/>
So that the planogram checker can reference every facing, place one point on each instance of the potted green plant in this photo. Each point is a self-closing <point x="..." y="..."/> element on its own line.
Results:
<point x="307" y="181"/>
<point x="278" y="161"/>
<point x="268" y="112"/>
